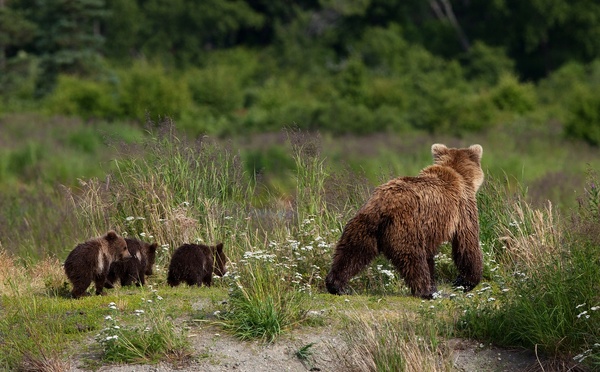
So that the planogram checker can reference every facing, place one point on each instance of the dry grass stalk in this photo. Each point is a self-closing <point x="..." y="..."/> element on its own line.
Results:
<point x="392" y="344"/>
<point x="533" y="237"/>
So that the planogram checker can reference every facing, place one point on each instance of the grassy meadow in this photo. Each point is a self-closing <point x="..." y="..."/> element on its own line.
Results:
<point x="279" y="202"/>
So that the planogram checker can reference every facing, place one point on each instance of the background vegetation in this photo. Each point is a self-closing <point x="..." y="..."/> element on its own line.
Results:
<point x="266" y="125"/>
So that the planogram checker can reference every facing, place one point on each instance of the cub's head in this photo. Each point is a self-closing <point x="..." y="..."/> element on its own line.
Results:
<point x="117" y="246"/>
<point x="467" y="161"/>
<point x="220" y="266"/>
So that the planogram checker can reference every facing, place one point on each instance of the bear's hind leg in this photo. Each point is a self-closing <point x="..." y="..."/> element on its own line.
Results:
<point x="468" y="258"/>
<point x="415" y="270"/>
<point x="348" y="261"/>
<point x="100" y="281"/>
<point x="79" y="289"/>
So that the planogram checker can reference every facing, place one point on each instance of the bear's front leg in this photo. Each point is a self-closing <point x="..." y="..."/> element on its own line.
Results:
<point x="100" y="282"/>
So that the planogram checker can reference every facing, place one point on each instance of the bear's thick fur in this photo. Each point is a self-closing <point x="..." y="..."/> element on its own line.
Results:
<point x="143" y="257"/>
<point x="91" y="260"/>
<point x="196" y="263"/>
<point x="407" y="219"/>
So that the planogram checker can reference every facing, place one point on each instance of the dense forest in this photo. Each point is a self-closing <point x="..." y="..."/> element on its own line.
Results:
<point x="228" y="67"/>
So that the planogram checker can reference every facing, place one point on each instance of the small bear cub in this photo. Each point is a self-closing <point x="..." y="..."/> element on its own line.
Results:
<point x="196" y="263"/>
<point x="143" y="257"/>
<point x="90" y="261"/>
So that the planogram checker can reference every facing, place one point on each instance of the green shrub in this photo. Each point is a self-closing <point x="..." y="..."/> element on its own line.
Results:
<point x="583" y="118"/>
<point x="511" y="95"/>
<point x="217" y="87"/>
<point x="87" y="99"/>
<point x="486" y="64"/>
<point x="150" y="91"/>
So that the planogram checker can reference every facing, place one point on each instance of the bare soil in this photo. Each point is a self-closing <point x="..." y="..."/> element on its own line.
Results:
<point x="215" y="351"/>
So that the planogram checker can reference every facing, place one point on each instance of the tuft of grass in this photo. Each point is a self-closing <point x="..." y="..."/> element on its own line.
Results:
<point x="549" y="300"/>
<point x="393" y="344"/>
<point x="151" y="337"/>
<point x="263" y="301"/>
<point x="305" y="351"/>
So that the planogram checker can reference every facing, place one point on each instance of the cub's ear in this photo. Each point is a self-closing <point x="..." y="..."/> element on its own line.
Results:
<point x="152" y="247"/>
<point x="219" y="247"/>
<point x="477" y="150"/>
<point x="437" y="150"/>
<point x="111" y="235"/>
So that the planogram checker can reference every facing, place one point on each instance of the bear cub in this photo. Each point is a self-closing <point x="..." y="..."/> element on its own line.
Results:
<point x="90" y="261"/>
<point x="196" y="263"/>
<point x="143" y="257"/>
<point x="407" y="218"/>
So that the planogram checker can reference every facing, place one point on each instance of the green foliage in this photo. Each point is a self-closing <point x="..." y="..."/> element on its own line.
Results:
<point x="40" y="329"/>
<point x="583" y="121"/>
<point x="510" y="95"/>
<point x="549" y="296"/>
<point x="149" y="91"/>
<point x="487" y="64"/>
<point x="86" y="99"/>
<point x="217" y="87"/>
<point x="263" y="300"/>
<point x="152" y="336"/>
<point x="66" y="41"/>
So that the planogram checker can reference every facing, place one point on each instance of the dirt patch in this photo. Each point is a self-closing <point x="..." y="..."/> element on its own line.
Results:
<point x="215" y="351"/>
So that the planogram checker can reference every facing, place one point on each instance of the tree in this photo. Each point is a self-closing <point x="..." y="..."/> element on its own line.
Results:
<point x="68" y="38"/>
<point x="15" y="33"/>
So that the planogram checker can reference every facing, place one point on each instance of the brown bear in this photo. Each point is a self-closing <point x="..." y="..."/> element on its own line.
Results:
<point x="91" y="260"/>
<point x="407" y="219"/>
<point x="196" y="263"/>
<point x="143" y="257"/>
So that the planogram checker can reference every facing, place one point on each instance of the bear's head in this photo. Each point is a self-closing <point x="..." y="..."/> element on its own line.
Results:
<point x="117" y="246"/>
<point x="465" y="161"/>
<point x="220" y="266"/>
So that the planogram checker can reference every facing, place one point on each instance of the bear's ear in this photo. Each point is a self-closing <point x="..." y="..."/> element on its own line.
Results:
<point x="477" y="150"/>
<point x="111" y="235"/>
<point x="220" y="247"/>
<point x="152" y="247"/>
<point x="437" y="150"/>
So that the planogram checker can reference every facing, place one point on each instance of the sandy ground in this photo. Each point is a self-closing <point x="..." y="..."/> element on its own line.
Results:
<point x="215" y="351"/>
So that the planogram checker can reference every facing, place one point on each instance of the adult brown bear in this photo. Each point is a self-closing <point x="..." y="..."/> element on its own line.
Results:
<point x="408" y="218"/>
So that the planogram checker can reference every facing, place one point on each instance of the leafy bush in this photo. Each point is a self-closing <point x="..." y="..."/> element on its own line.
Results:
<point x="486" y="64"/>
<point x="149" y="91"/>
<point x="217" y="87"/>
<point x="511" y="95"/>
<point x="583" y="120"/>
<point x="87" y="99"/>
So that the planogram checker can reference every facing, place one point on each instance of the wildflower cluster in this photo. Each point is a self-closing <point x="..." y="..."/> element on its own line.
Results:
<point x="586" y="312"/>
<point x="149" y="336"/>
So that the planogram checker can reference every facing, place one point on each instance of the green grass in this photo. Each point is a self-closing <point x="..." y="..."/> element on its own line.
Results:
<point x="151" y="336"/>
<point x="540" y="288"/>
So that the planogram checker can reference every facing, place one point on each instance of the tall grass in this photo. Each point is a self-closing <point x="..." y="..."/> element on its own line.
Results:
<point x="390" y="344"/>
<point x="550" y="273"/>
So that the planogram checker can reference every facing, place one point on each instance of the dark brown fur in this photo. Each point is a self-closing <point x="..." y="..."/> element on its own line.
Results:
<point x="196" y="263"/>
<point x="143" y="257"/>
<point x="407" y="219"/>
<point x="91" y="260"/>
